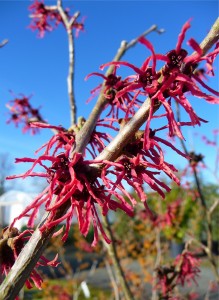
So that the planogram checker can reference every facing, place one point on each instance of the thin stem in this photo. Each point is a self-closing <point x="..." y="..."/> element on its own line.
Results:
<point x="3" y="43"/>
<point x="112" y="279"/>
<point x="207" y="215"/>
<point x="206" y="212"/>
<point x="146" y="32"/>
<point x="70" y="77"/>
<point x="214" y="206"/>
<point x="157" y="262"/>
<point x="111" y="249"/>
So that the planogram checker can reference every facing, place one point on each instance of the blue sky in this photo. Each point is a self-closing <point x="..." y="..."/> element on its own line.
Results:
<point x="39" y="67"/>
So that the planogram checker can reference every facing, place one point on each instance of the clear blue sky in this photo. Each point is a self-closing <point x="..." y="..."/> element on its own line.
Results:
<point x="31" y="65"/>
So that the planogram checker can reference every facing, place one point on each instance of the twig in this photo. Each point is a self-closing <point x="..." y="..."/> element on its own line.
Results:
<point x="213" y="207"/>
<point x="208" y="229"/>
<point x="112" y="279"/>
<point x="70" y="79"/>
<point x="146" y="32"/>
<point x="3" y="43"/>
<point x="111" y="249"/>
<point x="157" y="263"/>
<point x="206" y="212"/>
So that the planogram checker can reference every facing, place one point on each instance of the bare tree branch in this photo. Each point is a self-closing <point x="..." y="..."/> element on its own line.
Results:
<point x="213" y="207"/>
<point x="211" y="38"/>
<point x="3" y="43"/>
<point x="70" y="79"/>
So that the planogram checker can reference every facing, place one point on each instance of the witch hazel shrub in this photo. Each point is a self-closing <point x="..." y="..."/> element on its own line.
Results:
<point x="89" y="172"/>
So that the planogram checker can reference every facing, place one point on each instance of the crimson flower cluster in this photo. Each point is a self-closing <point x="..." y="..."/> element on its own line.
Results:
<point x="137" y="167"/>
<point x="82" y="187"/>
<point x="22" y="112"/>
<point x="189" y="268"/>
<point x="11" y="243"/>
<point x="47" y="18"/>
<point x="197" y="160"/>
<point x="112" y="85"/>
<point x="167" y="219"/>
<point x="185" y="269"/>
<point x="71" y="182"/>
<point x="175" y="81"/>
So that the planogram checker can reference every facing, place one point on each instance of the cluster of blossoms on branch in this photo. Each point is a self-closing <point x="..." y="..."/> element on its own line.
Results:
<point x="84" y="186"/>
<point x="88" y="184"/>
<point x="12" y="242"/>
<point x="176" y="80"/>
<point x="47" y="18"/>
<point x="185" y="268"/>
<point x="197" y="160"/>
<point x="22" y="112"/>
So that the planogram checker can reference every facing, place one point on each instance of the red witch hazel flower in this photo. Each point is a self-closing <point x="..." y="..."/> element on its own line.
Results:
<point x="189" y="267"/>
<point x="47" y="18"/>
<point x="184" y="269"/>
<point x="178" y="78"/>
<point x="137" y="166"/>
<point x="167" y="219"/>
<point x="43" y="19"/>
<point x="134" y="172"/>
<point x="11" y="243"/>
<point x="120" y="91"/>
<point x="111" y="87"/>
<point x="72" y="183"/>
<point x="22" y="112"/>
<point x="146" y="76"/>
